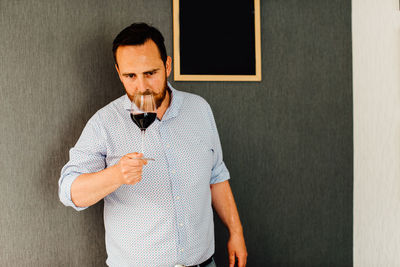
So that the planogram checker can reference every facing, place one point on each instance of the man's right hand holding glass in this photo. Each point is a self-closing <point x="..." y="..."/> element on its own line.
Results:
<point x="90" y="188"/>
<point x="130" y="168"/>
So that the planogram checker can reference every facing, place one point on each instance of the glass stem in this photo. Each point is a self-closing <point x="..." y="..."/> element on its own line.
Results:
<point x="142" y="151"/>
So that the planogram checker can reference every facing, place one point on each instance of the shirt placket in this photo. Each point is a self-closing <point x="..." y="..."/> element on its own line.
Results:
<point x="177" y="193"/>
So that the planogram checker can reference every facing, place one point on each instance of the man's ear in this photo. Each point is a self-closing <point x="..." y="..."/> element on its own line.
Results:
<point x="119" y="74"/>
<point x="168" y="65"/>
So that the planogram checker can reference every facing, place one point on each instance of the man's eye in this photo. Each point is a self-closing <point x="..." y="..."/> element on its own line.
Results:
<point x="150" y="73"/>
<point x="130" y="75"/>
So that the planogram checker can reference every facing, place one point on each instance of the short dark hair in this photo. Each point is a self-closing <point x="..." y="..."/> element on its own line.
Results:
<point x="138" y="34"/>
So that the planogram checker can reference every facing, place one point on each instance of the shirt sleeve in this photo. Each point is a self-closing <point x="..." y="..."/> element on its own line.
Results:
<point x="87" y="156"/>
<point x="219" y="172"/>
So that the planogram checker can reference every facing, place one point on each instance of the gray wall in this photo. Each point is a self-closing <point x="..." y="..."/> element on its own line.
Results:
<point x="287" y="140"/>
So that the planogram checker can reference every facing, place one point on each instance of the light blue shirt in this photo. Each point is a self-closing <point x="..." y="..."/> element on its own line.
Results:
<point x="166" y="218"/>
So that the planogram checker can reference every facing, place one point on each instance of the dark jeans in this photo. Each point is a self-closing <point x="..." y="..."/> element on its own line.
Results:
<point x="212" y="264"/>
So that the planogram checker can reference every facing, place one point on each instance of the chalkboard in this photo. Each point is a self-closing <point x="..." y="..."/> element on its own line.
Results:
<point x="217" y="40"/>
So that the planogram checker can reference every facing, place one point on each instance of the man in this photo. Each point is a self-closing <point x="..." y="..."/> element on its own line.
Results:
<point x="156" y="213"/>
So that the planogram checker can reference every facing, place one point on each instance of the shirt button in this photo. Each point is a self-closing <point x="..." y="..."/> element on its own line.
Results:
<point x="181" y="249"/>
<point x="177" y="197"/>
<point x="167" y="145"/>
<point x="173" y="172"/>
<point x="181" y="224"/>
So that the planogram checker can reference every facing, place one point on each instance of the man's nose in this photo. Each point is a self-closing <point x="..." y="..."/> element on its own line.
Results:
<point x="142" y="85"/>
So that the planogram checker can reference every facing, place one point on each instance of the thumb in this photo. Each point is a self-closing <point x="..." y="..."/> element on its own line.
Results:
<point x="231" y="259"/>
<point x="134" y="155"/>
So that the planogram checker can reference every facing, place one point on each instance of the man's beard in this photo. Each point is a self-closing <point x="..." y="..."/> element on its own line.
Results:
<point x="159" y="98"/>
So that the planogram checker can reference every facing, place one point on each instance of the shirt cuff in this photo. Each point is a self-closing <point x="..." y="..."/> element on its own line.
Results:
<point x="219" y="174"/>
<point x="65" y="191"/>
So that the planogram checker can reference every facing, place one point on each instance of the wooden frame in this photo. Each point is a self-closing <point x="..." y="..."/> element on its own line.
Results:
<point x="178" y="76"/>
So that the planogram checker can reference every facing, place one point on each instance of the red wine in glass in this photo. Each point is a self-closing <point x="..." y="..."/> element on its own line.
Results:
<point x="143" y="120"/>
<point x="143" y="113"/>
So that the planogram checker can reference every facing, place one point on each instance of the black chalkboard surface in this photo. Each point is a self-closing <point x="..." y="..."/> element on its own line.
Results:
<point x="217" y="40"/>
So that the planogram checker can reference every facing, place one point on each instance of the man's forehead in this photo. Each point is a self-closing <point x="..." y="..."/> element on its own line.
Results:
<point x="132" y="52"/>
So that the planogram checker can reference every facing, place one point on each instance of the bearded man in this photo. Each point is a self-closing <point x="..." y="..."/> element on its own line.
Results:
<point x="156" y="213"/>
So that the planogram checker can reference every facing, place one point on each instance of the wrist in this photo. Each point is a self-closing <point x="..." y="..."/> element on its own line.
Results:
<point x="237" y="230"/>
<point x="116" y="175"/>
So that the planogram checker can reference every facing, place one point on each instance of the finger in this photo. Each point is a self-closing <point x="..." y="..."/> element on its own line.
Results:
<point x="130" y="155"/>
<point x="137" y="161"/>
<point x="129" y="171"/>
<point x="242" y="261"/>
<point x="132" y="162"/>
<point x="134" y="155"/>
<point x="137" y="155"/>
<point x="134" y="174"/>
<point x="231" y="259"/>
<point x="135" y="181"/>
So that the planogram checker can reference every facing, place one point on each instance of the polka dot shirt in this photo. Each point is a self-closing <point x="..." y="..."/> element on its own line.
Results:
<point x="166" y="218"/>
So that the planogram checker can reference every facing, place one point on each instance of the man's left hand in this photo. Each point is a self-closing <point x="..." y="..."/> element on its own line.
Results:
<point x="237" y="249"/>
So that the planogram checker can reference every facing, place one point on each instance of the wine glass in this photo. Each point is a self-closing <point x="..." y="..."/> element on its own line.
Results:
<point x="143" y="113"/>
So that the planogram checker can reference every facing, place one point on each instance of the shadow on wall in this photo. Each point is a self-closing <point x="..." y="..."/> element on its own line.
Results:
<point x="98" y="84"/>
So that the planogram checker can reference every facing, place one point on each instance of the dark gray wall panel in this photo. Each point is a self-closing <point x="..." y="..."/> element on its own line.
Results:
<point x="287" y="140"/>
<point x="56" y="70"/>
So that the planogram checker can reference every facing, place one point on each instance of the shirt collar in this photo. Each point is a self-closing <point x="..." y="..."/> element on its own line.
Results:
<point x="173" y="109"/>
